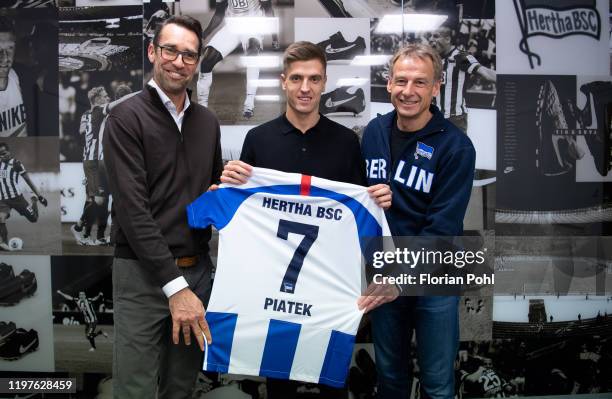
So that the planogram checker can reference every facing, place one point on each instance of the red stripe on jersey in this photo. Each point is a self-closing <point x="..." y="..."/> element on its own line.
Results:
<point x="305" y="186"/>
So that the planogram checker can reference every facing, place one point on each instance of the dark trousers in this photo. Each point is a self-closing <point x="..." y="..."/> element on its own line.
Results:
<point x="143" y="352"/>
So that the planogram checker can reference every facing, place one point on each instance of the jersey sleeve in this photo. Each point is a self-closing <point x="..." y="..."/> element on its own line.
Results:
<point x="19" y="168"/>
<point x="216" y="207"/>
<point x="84" y="122"/>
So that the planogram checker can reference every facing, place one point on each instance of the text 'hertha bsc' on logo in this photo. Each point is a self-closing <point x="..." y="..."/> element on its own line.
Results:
<point x="556" y="19"/>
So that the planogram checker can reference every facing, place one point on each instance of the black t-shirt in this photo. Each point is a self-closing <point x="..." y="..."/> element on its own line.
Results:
<point x="400" y="141"/>
<point x="328" y="150"/>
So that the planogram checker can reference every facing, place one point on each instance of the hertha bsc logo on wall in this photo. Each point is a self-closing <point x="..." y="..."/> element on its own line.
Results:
<point x="556" y="19"/>
<point x="543" y="36"/>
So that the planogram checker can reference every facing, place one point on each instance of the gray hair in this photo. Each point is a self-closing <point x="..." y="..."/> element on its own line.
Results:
<point x="421" y="51"/>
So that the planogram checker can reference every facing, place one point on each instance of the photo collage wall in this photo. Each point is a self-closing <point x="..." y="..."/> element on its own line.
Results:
<point x="537" y="109"/>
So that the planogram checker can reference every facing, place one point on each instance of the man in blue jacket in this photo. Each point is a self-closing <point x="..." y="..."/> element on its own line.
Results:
<point x="429" y="164"/>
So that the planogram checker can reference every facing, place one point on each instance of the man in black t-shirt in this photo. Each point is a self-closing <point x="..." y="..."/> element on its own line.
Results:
<point x="304" y="141"/>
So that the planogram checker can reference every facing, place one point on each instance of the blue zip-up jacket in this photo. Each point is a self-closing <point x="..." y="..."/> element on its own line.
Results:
<point x="431" y="182"/>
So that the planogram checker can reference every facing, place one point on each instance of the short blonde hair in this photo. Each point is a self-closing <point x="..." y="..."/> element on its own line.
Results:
<point x="421" y="51"/>
<point x="94" y="93"/>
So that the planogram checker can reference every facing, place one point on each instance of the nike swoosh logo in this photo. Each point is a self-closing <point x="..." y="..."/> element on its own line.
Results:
<point x="23" y="349"/>
<point x="329" y="103"/>
<point x="329" y="49"/>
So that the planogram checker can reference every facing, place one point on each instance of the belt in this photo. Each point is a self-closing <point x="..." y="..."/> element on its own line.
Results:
<point x="187" y="261"/>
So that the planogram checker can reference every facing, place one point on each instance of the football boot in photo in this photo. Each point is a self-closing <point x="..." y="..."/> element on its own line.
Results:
<point x="597" y="115"/>
<point x="6" y="330"/>
<point x="248" y="108"/>
<point x="101" y="242"/>
<point x="337" y="48"/>
<point x="556" y="151"/>
<point x="79" y="236"/>
<point x="22" y="286"/>
<point x="335" y="8"/>
<point x="350" y="99"/>
<point x="20" y="343"/>
<point x="6" y="273"/>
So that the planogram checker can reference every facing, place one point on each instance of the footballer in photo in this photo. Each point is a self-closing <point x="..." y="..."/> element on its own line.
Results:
<point x="28" y="74"/>
<point x="29" y="196"/>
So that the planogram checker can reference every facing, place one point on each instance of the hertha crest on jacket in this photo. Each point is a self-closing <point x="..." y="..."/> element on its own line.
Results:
<point x="556" y="19"/>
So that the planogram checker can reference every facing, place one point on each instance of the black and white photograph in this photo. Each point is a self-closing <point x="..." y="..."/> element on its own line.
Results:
<point x="82" y="313"/>
<point x="28" y="3"/>
<point x="106" y="3"/>
<point x="593" y="121"/>
<point x="553" y="37"/>
<point x="88" y="97"/>
<point x="489" y="369"/>
<point x="542" y="132"/>
<point x="553" y="265"/>
<point x="468" y="52"/>
<point x="30" y="196"/>
<point x="562" y="342"/>
<point x="480" y="214"/>
<point x="475" y="317"/>
<point x="342" y="40"/>
<point x="154" y="12"/>
<point x="28" y="75"/>
<point x="81" y="93"/>
<point x="346" y="96"/>
<point x="26" y="327"/>
<point x="100" y="39"/>
<point x="468" y="88"/>
<point x="383" y="44"/>
<point x="240" y="65"/>
<point x="241" y="61"/>
<point x="86" y="203"/>
<point x="367" y="8"/>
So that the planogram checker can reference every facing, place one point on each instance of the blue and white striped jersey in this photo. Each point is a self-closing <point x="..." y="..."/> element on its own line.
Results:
<point x="284" y="300"/>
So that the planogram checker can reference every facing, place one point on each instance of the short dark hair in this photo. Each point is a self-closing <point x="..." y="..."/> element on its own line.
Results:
<point x="452" y="25"/>
<point x="121" y="91"/>
<point x="303" y="51"/>
<point x="184" y="21"/>
<point x="7" y="25"/>
<point x="5" y="145"/>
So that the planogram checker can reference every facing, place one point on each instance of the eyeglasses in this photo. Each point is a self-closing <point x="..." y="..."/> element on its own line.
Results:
<point x="171" y="54"/>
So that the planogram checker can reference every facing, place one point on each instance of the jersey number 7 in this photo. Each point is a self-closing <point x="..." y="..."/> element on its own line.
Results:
<point x="310" y="233"/>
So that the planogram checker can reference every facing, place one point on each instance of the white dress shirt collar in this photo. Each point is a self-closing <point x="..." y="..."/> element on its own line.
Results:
<point x="178" y="117"/>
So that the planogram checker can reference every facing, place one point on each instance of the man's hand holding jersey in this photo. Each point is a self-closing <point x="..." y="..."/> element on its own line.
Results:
<point x="238" y="172"/>
<point x="188" y="315"/>
<point x="376" y="295"/>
